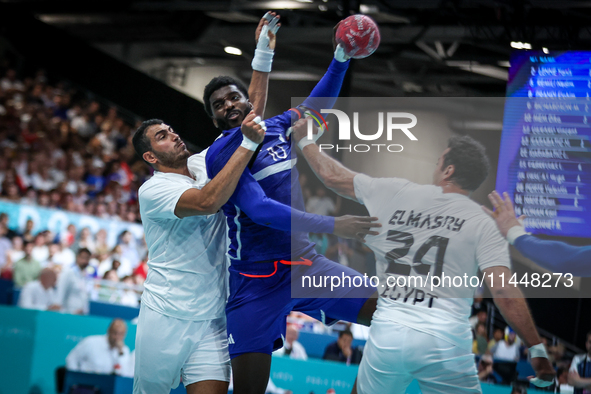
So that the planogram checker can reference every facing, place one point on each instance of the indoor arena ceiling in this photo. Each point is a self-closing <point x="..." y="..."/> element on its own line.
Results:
<point x="429" y="47"/>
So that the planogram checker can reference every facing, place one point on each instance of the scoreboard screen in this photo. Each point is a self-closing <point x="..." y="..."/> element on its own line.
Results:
<point x="545" y="156"/>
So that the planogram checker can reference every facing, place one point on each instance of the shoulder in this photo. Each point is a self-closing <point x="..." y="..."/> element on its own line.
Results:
<point x="579" y="358"/>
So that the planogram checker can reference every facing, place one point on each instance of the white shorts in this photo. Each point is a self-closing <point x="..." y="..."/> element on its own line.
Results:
<point x="395" y="355"/>
<point x="168" y="349"/>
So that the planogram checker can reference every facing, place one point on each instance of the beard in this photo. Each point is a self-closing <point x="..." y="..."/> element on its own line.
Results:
<point x="224" y="124"/>
<point x="172" y="160"/>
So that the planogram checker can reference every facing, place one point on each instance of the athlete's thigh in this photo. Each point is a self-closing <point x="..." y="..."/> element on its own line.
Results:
<point x="159" y="353"/>
<point x="382" y="367"/>
<point x="443" y="367"/>
<point x="209" y="359"/>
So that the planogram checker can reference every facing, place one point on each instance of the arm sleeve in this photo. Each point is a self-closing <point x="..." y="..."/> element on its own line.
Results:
<point x="158" y="199"/>
<point x="326" y="91"/>
<point x="252" y="200"/>
<point x="556" y="256"/>
<point x="367" y="189"/>
<point x="492" y="249"/>
<point x="574" y="364"/>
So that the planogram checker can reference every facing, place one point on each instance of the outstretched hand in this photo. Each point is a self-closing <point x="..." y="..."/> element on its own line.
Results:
<point x="268" y="26"/>
<point x="503" y="214"/>
<point x="355" y="227"/>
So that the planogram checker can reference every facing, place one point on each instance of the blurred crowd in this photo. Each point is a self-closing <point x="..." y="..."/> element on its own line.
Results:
<point x="63" y="271"/>
<point x="498" y="349"/>
<point x="59" y="148"/>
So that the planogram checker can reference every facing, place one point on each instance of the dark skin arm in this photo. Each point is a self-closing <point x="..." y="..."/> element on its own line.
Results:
<point x="259" y="83"/>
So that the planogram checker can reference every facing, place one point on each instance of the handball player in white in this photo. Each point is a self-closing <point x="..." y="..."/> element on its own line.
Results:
<point x="181" y="330"/>
<point x="429" y="231"/>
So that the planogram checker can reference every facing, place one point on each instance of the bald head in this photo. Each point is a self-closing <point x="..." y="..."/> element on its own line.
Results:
<point x="47" y="277"/>
<point x="116" y="333"/>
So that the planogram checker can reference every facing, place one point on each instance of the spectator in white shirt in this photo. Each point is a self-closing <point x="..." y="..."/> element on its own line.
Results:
<point x="507" y="350"/>
<point x="291" y="346"/>
<point x="72" y="288"/>
<point x="103" y="354"/>
<point x="40" y="294"/>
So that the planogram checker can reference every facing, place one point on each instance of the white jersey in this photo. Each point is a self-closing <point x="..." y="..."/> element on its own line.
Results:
<point x="186" y="257"/>
<point x="428" y="234"/>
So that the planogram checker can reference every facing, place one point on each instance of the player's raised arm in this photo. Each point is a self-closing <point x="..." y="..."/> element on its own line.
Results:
<point x="509" y="299"/>
<point x="332" y="173"/>
<point x="552" y="255"/>
<point x="265" y="37"/>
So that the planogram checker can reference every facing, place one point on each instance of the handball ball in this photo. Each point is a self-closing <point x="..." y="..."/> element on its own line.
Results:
<point x="359" y="35"/>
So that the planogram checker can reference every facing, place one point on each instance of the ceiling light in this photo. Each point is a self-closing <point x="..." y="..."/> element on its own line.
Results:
<point x="520" y="45"/>
<point x="545" y="50"/>
<point x="233" y="51"/>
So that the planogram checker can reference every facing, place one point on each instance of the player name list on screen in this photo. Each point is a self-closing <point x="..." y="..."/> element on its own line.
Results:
<point x="545" y="160"/>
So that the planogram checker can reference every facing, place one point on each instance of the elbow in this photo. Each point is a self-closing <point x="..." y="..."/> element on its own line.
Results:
<point x="211" y="206"/>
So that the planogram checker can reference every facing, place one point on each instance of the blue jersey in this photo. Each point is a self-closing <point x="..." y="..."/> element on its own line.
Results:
<point x="273" y="170"/>
<point x="267" y="204"/>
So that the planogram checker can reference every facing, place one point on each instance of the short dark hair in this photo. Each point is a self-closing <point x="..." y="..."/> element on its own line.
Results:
<point x="588" y="335"/>
<point x="141" y="143"/>
<point x="470" y="162"/>
<point x="83" y="250"/>
<point x="346" y="332"/>
<point x="218" y="83"/>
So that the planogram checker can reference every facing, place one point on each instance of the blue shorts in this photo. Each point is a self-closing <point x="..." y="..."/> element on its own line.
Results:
<point x="263" y="294"/>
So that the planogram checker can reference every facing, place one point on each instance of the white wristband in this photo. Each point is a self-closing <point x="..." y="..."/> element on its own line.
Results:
<point x="514" y="233"/>
<point x="262" y="60"/>
<point x="339" y="54"/>
<point x="305" y="142"/>
<point x="538" y="350"/>
<point x="248" y="144"/>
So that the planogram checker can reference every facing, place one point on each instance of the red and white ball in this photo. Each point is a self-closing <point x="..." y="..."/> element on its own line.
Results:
<point x="359" y="35"/>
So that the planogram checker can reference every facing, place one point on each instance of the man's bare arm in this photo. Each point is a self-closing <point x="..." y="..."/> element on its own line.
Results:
<point x="259" y="83"/>
<point x="216" y="193"/>
<point x="333" y="174"/>
<point x="575" y="380"/>
<point x="258" y="91"/>
<point x="511" y="302"/>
